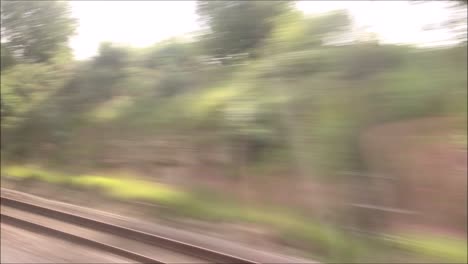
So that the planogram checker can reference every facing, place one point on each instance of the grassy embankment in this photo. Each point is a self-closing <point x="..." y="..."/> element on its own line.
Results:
<point x="331" y="243"/>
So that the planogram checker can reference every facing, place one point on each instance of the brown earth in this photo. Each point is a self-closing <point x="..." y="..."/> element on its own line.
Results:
<point x="422" y="170"/>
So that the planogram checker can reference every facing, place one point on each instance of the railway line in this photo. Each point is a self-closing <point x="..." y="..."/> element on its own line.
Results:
<point x="131" y="244"/>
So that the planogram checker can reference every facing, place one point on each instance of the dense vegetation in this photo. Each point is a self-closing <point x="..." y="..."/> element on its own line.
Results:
<point x="292" y="97"/>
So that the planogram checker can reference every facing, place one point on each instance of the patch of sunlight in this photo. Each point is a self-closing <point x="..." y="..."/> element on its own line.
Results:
<point x="25" y="172"/>
<point x="130" y="189"/>
<point x="17" y="171"/>
<point x="213" y="98"/>
<point x="443" y="247"/>
<point x="117" y="187"/>
<point x="110" y="110"/>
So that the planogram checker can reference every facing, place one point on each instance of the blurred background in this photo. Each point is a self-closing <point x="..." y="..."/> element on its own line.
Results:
<point x="334" y="128"/>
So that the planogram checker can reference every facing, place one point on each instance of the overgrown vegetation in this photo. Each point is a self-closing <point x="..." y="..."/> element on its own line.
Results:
<point x="293" y="98"/>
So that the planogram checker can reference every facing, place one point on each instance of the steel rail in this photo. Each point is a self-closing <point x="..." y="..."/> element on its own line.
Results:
<point x="34" y="227"/>
<point x="152" y="239"/>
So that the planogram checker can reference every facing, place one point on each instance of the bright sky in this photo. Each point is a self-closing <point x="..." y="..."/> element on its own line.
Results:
<point x="142" y="23"/>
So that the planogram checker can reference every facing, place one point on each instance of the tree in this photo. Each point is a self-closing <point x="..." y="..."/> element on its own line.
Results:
<point x="35" y="30"/>
<point x="23" y="86"/>
<point x="236" y="27"/>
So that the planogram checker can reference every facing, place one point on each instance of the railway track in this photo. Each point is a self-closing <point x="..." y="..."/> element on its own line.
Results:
<point x="126" y="242"/>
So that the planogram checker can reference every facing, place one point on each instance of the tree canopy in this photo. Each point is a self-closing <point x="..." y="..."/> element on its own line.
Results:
<point x="35" y="30"/>
<point x="235" y="27"/>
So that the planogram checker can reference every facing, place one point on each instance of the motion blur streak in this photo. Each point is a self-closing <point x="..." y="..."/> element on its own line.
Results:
<point x="305" y="133"/>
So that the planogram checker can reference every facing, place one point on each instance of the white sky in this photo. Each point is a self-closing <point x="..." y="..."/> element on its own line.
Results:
<point x="142" y="23"/>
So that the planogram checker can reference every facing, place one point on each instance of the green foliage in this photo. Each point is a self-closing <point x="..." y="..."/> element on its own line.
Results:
<point x="294" y="32"/>
<point x="171" y="54"/>
<point x="300" y="87"/>
<point x="368" y="59"/>
<point x="288" y="30"/>
<point x="112" y="57"/>
<point x="35" y="30"/>
<point x="299" y="63"/>
<point x="25" y="86"/>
